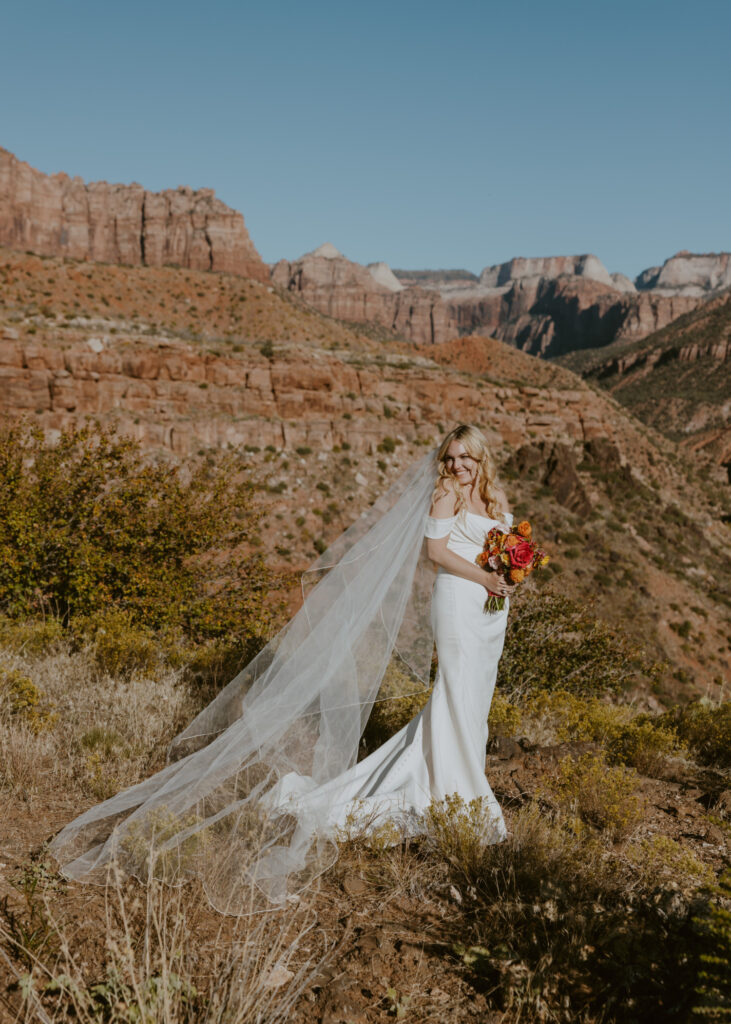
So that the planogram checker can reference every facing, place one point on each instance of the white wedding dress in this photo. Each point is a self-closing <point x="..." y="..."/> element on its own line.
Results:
<point x="441" y="751"/>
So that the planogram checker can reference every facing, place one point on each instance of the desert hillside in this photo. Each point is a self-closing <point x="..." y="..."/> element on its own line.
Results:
<point x="677" y="380"/>
<point x="190" y="363"/>
<point x="176" y="444"/>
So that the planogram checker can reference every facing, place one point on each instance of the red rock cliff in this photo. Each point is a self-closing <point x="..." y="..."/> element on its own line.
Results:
<point x="55" y="215"/>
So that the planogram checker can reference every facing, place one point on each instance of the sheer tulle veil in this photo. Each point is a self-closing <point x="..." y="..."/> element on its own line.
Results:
<point x="299" y="707"/>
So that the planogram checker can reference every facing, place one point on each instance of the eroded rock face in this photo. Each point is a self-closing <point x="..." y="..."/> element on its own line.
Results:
<point x="556" y="304"/>
<point x="173" y="395"/>
<point x="587" y="266"/>
<point x="334" y="285"/>
<point x="551" y="316"/>
<point x="55" y="215"/>
<point x="689" y="273"/>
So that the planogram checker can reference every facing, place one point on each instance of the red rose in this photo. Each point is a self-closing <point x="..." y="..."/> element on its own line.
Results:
<point x="521" y="555"/>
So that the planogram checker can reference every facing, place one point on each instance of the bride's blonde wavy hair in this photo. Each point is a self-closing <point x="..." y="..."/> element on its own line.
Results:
<point x="475" y="444"/>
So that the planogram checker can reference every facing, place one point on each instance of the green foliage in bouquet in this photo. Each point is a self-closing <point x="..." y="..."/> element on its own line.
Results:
<point x="89" y="525"/>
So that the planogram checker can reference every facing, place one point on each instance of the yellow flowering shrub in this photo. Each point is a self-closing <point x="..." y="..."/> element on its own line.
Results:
<point x="30" y="636"/>
<point x="599" y="794"/>
<point x="20" y="697"/>
<point x="661" y="858"/>
<point x="505" y="718"/>
<point x="705" y="727"/>
<point x="91" y="522"/>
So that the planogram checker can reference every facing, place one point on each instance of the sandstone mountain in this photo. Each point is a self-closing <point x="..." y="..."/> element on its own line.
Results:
<point x="546" y="306"/>
<point x="689" y="274"/>
<point x="193" y="363"/>
<point x="338" y="287"/>
<point x="551" y="305"/>
<point x="55" y="215"/>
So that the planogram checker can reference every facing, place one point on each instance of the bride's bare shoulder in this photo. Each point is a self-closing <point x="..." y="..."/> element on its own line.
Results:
<point x="444" y="502"/>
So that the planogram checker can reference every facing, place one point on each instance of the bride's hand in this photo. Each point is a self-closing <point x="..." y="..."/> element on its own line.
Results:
<point x="497" y="584"/>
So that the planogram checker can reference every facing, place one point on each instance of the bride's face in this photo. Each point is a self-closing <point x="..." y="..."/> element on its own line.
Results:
<point x="460" y="464"/>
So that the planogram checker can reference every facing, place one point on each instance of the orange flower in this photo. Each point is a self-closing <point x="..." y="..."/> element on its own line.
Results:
<point x="516" y="575"/>
<point x="524" y="528"/>
<point x="512" y="539"/>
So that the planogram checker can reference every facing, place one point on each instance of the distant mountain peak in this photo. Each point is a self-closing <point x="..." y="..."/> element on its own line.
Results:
<point x="383" y="275"/>
<point x="326" y="251"/>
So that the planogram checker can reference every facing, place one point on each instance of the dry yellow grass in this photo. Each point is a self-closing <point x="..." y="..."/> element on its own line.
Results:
<point x="541" y="926"/>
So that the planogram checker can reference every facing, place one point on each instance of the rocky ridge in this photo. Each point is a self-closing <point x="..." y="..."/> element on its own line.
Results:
<point x="56" y="215"/>
<point x="678" y="379"/>
<point x="338" y="287"/>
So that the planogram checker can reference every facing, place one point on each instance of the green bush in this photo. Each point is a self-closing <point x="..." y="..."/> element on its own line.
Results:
<point x="706" y="728"/>
<point x="21" y="698"/>
<point x="91" y="525"/>
<point x="554" y="643"/>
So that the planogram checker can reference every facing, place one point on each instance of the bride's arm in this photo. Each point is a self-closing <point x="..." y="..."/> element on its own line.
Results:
<point x="440" y="554"/>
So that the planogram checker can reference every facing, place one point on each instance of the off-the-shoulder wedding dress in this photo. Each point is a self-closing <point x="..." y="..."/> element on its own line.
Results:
<point x="441" y="751"/>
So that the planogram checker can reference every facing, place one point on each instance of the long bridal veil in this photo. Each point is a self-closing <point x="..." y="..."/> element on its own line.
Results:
<point x="299" y="707"/>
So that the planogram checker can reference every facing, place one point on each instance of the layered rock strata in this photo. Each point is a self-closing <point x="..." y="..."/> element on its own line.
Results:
<point x="55" y="215"/>
<point x="172" y="395"/>
<point x="340" y="288"/>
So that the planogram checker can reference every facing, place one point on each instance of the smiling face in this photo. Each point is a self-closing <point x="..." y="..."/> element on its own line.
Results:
<point x="460" y="464"/>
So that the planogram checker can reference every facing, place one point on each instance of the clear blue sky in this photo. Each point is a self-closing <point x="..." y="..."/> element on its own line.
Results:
<point x="425" y="134"/>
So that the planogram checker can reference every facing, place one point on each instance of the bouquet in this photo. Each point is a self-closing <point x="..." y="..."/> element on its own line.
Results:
<point x="512" y="554"/>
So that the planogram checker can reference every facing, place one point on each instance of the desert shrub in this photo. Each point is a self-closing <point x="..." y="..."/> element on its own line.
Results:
<point x="644" y="743"/>
<point x="554" y="643"/>
<point x="21" y="698"/>
<point x="396" y="705"/>
<point x="120" y="647"/>
<point x="30" y="636"/>
<point x="706" y="728"/>
<point x="90" y="523"/>
<point x="505" y="719"/>
<point x="640" y="741"/>
<point x="462" y="831"/>
<point x="661" y="859"/>
<point x="600" y="795"/>
<point x="559" y="926"/>
<point x="562" y="716"/>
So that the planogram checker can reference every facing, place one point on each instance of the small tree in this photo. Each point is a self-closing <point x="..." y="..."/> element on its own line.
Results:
<point x="90" y="524"/>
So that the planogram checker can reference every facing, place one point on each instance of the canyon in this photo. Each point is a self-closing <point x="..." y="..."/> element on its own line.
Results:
<point x="324" y="416"/>
<point x="546" y="306"/>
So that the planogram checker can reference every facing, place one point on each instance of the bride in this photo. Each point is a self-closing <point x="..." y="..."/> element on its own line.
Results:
<point x="261" y="781"/>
